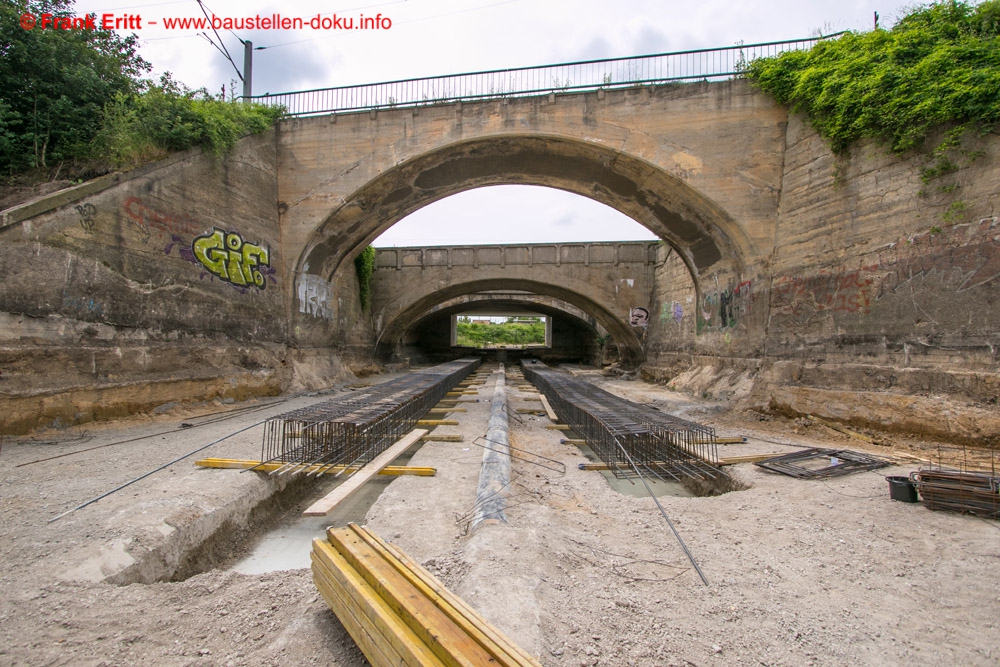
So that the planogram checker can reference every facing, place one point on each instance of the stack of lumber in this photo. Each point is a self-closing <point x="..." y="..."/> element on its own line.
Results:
<point x="397" y="612"/>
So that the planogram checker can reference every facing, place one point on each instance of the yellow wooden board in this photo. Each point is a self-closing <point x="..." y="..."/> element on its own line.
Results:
<point x="400" y="614"/>
<point x="548" y="408"/>
<point x="246" y="464"/>
<point x="325" y="505"/>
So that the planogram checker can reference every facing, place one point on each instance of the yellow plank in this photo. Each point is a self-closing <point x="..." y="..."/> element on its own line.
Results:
<point x="357" y="604"/>
<point x="246" y="464"/>
<point x="452" y="646"/>
<point x="443" y="438"/>
<point x="437" y="422"/>
<point x="733" y="460"/>
<point x="548" y="408"/>
<point x="559" y="427"/>
<point x="495" y="642"/>
<point x="448" y="408"/>
<point x="325" y="505"/>
<point x="738" y="440"/>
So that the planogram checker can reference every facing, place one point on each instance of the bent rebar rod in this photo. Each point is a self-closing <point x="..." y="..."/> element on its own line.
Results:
<point x="662" y="511"/>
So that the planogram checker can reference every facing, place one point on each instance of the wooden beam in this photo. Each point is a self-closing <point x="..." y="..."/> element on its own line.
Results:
<point x="246" y="464"/>
<point x="437" y="422"/>
<point x="448" y="409"/>
<point x="738" y="440"/>
<point x="548" y="408"/>
<point x="559" y="427"/>
<point x="325" y="505"/>
<point x="733" y="460"/>
<point x="573" y="441"/>
<point x="442" y="438"/>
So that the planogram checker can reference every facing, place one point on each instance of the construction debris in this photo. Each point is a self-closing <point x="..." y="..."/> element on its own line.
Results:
<point x="397" y="612"/>
<point x="819" y="463"/>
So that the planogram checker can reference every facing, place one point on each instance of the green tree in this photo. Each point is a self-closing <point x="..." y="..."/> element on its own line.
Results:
<point x="54" y="85"/>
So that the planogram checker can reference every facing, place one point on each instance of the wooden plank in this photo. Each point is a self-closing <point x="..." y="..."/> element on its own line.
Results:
<point x="438" y="632"/>
<point x="448" y="408"/>
<point x="573" y="441"/>
<point x="738" y="440"/>
<point x="465" y="617"/>
<point x="246" y="464"/>
<point x="437" y="422"/>
<point x="733" y="460"/>
<point x="548" y="408"/>
<point x="356" y="603"/>
<point x="325" y="505"/>
<point x="559" y="427"/>
<point x="442" y="438"/>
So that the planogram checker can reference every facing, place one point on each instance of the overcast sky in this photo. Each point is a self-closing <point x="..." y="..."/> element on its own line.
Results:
<point x="434" y="37"/>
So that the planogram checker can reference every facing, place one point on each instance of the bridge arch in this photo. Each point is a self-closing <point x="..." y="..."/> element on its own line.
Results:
<point x="706" y="237"/>
<point x="629" y="345"/>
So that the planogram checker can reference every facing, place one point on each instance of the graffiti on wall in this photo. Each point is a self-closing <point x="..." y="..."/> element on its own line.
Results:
<point x="724" y="309"/>
<point x="638" y="317"/>
<point x="837" y="289"/>
<point x="88" y="216"/>
<point x="315" y="296"/>
<point x="147" y="221"/>
<point x="228" y="257"/>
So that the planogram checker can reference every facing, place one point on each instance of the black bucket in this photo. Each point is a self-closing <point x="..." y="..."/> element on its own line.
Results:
<point x="902" y="489"/>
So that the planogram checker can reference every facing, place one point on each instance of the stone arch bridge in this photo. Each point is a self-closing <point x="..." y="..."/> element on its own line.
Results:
<point x="799" y="281"/>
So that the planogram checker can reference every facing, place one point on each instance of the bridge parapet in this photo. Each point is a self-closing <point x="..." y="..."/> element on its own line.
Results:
<point x="526" y="255"/>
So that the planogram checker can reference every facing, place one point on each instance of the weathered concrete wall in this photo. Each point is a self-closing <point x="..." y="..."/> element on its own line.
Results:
<point x="881" y="303"/>
<point x="160" y="287"/>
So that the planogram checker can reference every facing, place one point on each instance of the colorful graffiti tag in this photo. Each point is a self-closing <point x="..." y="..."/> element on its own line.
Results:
<point x="227" y="256"/>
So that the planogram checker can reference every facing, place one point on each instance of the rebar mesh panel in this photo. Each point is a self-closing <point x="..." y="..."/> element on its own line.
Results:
<point x="618" y="430"/>
<point x="354" y="429"/>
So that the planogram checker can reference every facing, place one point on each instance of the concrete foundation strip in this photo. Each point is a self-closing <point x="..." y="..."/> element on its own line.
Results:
<point x="397" y="612"/>
<point x="494" y="476"/>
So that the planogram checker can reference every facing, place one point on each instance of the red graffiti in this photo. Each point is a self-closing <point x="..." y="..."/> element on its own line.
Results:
<point x="831" y="289"/>
<point x="165" y="223"/>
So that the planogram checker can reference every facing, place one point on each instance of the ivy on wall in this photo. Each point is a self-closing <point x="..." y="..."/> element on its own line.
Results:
<point x="940" y="64"/>
<point x="364" y="265"/>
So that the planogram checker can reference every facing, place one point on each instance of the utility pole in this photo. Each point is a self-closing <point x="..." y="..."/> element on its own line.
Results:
<point x="247" y="70"/>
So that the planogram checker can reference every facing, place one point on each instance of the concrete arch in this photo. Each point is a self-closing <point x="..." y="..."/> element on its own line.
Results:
<point x="629" y="345"/>
<point x="706" y="237"/>
<point x="484" y="301"/>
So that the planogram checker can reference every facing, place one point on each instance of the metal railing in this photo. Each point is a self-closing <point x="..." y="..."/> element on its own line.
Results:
<point x="586" y="75"/>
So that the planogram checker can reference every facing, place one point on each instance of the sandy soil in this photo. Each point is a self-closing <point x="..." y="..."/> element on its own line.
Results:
<point x="799" y="572"/>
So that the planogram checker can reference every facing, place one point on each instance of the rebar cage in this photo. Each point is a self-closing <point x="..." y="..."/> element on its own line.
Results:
<point x="630" y="438"/>
<point x="352" y="430"/>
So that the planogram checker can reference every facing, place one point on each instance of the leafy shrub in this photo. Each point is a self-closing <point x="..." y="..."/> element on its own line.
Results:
<point x="939" y="64"/>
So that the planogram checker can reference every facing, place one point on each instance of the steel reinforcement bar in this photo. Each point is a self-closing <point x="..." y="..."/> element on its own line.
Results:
<point x="618" y="430"/>
<point x="352" y="430"/>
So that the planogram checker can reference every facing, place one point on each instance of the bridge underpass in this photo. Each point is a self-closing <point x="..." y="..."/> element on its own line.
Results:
<point x="589" y="289"/>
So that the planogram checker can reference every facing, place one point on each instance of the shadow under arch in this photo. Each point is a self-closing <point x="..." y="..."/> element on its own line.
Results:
<point x="705" y="236"/>
<point x="625" y="337"/>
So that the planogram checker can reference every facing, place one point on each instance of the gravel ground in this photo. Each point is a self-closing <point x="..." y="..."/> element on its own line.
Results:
<point x="800" y="572"/>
